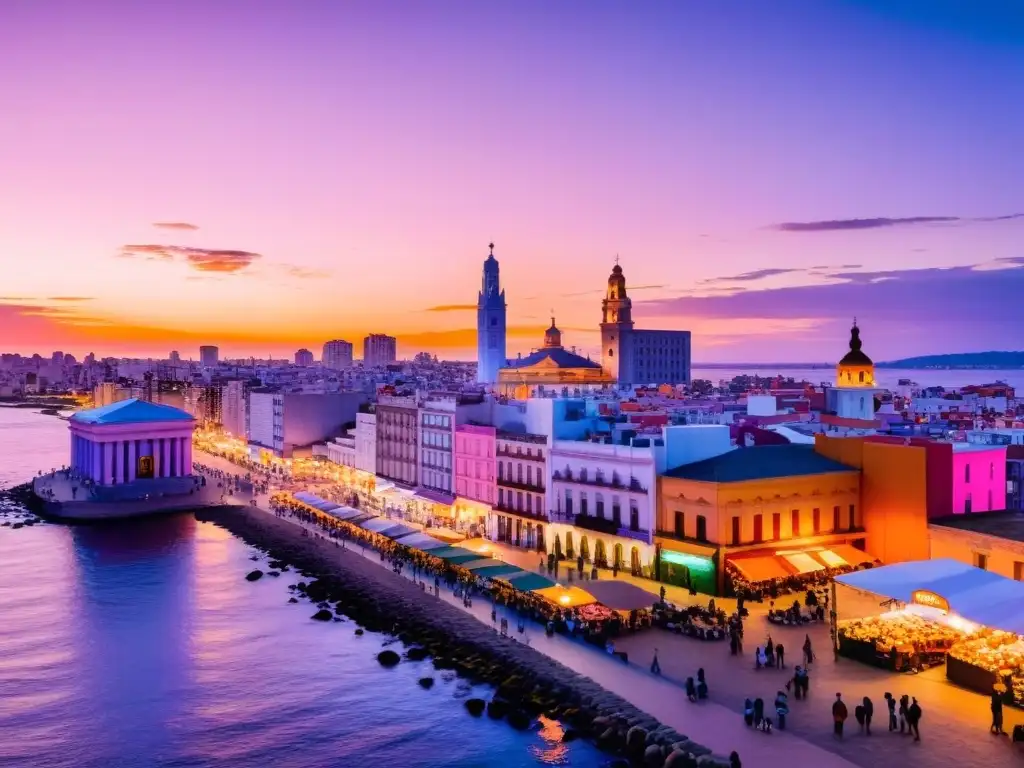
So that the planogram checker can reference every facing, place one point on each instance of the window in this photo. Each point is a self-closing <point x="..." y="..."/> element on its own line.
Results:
<point x="568" y="502"/>
<point x="817" y="521"/>
<point x="501" y="497"/>
<point x="519" y="472"/>
<point x="599" y="504"/>
<point x="529" y="475"/>
<point x="758" y="529"/>
<point x="981" y="560"/>
<point x="776" y="526"/>
<point x="967" y="473"/>
<point x="680" y="525"/>
<point x="583" y="503"/>
<point x="616" y="511"/>
<point x="853" y="518"/>
<point x="795" y="524"/>
<point x="519" y="500"/>
<point x="735" y="540"/>
<point x="967" y="505"/>
<point x="634" y="516"/>
<point x="1018" y="571"/>
<point x="702" y="527"/>
<point x="837" y="524"/>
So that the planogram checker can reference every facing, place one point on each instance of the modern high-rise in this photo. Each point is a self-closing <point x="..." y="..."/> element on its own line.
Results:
<point x="337" y="355"/>
<point x="631" y="356"/>
<point x="208" y="356"/>
<point x="304" y="358"/>
<point x="490" y="324"/>
<point x="379" y="349"/>
<point x="174" y="356"/>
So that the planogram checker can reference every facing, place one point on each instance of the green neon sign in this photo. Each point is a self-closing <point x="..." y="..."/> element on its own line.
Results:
<point x="693" y="562"/>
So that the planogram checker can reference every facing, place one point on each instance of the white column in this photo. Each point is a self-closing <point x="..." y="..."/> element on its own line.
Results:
<point x="132" y="462"/>
<point x="188" y="455"/>
<point x="94" y="461"/>
<point x="181" y="457"/>
<point x="165" y="457"/>
<point x="105" y="449"/>
<point x="158" y="459"/>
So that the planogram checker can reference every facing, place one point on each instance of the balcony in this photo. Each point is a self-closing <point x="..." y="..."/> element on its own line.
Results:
<point x="539" y="516"/>
<point x="519" y="453"/>
<point x="599" y="481"/>
<point x="638" y="534"/>
<point x="521" y="485"/>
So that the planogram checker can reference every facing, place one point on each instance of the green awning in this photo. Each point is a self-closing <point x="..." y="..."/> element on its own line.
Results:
<point x="483" y="562"/>
<point x="503" y="570"/>
<point x="527" y="581"/>
<point x="455" y="555"/>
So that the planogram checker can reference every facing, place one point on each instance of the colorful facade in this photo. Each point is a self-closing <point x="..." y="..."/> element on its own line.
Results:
<point x="475" y="489"/>
<point x="521" y="508"/>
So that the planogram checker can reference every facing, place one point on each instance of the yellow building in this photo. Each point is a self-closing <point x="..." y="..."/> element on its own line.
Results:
<point x="772" y="511"/>
<point x="551" y="370"/>
<point x="993" y="541"/>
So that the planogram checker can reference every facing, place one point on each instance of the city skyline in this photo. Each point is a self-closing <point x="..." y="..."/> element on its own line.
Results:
<point x="762" y="183"/>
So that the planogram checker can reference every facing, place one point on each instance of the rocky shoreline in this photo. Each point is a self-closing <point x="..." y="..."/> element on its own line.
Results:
<point x="526" y="682"/>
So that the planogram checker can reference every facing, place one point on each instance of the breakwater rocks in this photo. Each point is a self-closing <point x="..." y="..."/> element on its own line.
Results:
<point x="19" y="507"/>
<point x="526" y="682"/>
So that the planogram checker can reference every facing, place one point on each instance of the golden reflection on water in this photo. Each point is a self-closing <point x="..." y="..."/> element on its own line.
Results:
<point x="552" y="751"/>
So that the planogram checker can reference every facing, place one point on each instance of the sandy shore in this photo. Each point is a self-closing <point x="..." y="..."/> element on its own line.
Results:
<point x="525" y="679"/>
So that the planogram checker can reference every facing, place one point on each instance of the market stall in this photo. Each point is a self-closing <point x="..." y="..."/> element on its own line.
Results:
<point x="936" y="611"/>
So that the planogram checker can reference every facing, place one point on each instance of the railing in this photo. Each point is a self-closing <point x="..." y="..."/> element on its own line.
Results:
<point x="521" y="485"/>
<point x="519" y="454"/>
<point x="600" y="481"/>
<point x="539" y="516"/>
<point x="638" y="534"/>
<point x="599" y="524"/>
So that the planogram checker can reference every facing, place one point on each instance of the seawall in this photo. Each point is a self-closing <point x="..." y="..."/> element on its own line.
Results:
<point x="526" y="681"/>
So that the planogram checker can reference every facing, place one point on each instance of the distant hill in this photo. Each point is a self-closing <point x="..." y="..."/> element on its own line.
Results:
<point x="981" y="360"/>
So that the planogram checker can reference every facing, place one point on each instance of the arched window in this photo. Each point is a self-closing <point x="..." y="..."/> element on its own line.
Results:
<point x="862" y="377"/>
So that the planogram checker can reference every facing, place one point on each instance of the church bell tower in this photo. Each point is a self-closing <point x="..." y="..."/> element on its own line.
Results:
<point x="617" y="328"/>
<point x="490" y="323"/>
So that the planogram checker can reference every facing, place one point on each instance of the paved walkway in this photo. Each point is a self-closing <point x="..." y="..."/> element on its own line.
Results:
<point x="954" y="724"/>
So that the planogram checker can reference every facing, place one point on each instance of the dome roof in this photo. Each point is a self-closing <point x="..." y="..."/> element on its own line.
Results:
<point x="552" y="336"/>
<point x="855" y="356"/>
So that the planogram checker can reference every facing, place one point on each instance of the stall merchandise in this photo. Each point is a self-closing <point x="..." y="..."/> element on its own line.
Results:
<point x="897" y="640"/>
<point x="988" y="658"/>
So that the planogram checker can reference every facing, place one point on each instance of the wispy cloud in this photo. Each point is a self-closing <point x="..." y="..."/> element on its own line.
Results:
<point x="749" y="277"/>
<point x="70" y="298"/>
<point x="847" y="224"/>
<point x="451" y="308"/>
<point x="304" y="273"/>
<point x="842" y="225"/>
<point x="200" y="259"/>
<point x="179" y="225"/>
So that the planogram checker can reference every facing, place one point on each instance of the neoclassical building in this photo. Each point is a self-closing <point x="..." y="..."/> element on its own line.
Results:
<point x="552" y="370"/>
<point x="631" y="356"/>
<point x="131" y="440"/>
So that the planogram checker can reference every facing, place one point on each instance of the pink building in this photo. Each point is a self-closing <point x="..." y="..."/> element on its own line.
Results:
<point x="475" y="487"/>
<point x="979" y="478"/>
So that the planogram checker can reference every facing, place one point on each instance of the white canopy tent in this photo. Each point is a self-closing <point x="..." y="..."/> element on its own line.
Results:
<point x="975" y="594"/>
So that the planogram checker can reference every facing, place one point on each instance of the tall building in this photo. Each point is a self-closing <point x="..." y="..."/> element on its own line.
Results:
<point x="379" y="349"/>
<point x="235" y="408"/>
<point x="490" y="324"/>
<point x="57" y="358"/>
<point x="208" y="356"/>
<point x="304" y="358"/>
<point x="639" y="357"/>
<point x="288" y="424"/>
<point x="174" y="356"/>
<point x="337" y="355"/>
<point x="397" y="430"/>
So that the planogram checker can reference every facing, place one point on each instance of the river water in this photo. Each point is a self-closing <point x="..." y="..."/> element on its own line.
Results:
<point x="140" y="643"/>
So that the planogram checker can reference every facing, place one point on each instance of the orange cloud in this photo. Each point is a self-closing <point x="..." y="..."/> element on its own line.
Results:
<point x="181" y="225"/>
<point x="451" y="308"/>
<point x="201" y="259"/>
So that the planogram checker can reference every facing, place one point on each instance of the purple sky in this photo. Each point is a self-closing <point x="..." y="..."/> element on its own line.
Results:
<point x="269" y="175"/>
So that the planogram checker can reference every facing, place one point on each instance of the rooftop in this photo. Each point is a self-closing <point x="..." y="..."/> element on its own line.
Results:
<point x="562" y="358"/>
<point x="1008" y="524"/>
<point x="133" y="411"/>
<point x="759" y="462"/>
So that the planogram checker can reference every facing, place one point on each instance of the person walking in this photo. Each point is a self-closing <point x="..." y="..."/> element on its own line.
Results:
<point x="869" y="712"/>
<point x="997" y="710"/>
<point x="780" y="655"/>
<point x="904" y="706"/>
<point x="808" y="653"/>
<point x="839" y="715"/>
<point x="914" y="719"/>
<point x="890" y="702"/>
<point x="655" y="666"/>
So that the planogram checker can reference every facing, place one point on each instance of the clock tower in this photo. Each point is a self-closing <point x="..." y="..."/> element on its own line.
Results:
<point x="617" y="328"/>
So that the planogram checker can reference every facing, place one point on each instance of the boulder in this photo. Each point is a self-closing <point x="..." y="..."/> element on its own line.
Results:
<point x="322" y="615"/>
<point x="293" y="599"/>
<point x="679" y="759"/>
<point x="359" y="630"/>
<point x="475" y="707"/>
<point x="518" y="719"/>
<point x="274" y="573"/>
<point x="653" y="756"/>
<point x="388" y="658"/>
<point x="426" y="682"/>
<point x="254" y="575"/>
<point x="18" y="525"/>
<point x="636" y="741"/>
<point x="417" y="653"/>
<point x="497" y="708"/>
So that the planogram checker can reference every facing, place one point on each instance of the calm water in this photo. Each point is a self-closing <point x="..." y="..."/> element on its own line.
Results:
<point x="887" y="377"/>
<point x="141" y="644"/>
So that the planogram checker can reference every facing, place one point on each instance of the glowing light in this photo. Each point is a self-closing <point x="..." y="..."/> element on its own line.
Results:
<point x="564" y="599"/>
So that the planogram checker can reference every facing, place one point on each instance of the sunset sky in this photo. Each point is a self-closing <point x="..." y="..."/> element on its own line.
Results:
<point x="267" y="175"/>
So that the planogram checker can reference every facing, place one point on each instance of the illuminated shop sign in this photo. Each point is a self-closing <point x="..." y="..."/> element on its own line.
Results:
<point x="693" y="562"/>
<point x="930" y="599"/>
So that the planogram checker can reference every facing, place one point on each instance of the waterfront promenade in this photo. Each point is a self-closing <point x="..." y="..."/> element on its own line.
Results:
<point x="954" y="726"/>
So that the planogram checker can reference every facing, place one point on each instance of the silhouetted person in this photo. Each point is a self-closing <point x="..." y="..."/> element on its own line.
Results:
<point x="914" y="719"/>
<point x="839" y="715"/>
<point x="780" y="655"/>
<point x="890" y="702"/>
<point x="734" y="760"/>
<point x="869" y="712"/>
<point x="904" y="706"/>
<point x="808" y="653"/>
<point x="997" y="711"/>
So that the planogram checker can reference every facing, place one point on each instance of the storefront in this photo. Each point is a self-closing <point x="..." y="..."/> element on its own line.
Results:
<point x="687" y="565"/>
<point x="935" y="612"/>
<point x="781" y="571"/>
